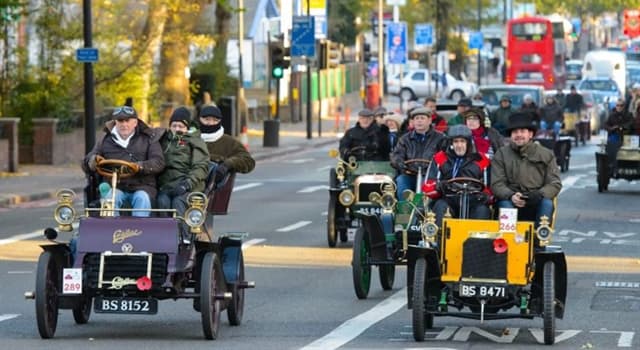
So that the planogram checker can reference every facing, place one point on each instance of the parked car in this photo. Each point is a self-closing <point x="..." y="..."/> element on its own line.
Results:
<point x="491" y="94"/>
<point x="421" y="82"/>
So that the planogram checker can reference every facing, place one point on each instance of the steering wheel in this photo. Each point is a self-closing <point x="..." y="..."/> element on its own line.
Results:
<point x="359" y="152"/>
<point x="124" y="169"/>
<point x="411" y="166"/>
<point x="459" y="185"/>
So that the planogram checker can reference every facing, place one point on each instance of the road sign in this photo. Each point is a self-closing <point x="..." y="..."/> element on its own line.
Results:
<point x="87" y="55"/>
<point x="397" y="42"/>
<point x="396" y="2"/>
<point x="303" y="39"/>
<point x="475" y="40"/>
<point x="423" y="34"/>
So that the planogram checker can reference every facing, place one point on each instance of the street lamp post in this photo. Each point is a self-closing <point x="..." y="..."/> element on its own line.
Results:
<point x="89" y="98"/>
<point x="479" y="31"/>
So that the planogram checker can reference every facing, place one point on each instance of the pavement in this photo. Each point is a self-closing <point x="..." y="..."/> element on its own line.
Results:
<point x="37" y="182"/>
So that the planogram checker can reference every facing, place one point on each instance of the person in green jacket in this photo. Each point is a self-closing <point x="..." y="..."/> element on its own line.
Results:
<point x="464" y="104"/>
<point x="186" y="162"/>
<point x="226" y="154"/>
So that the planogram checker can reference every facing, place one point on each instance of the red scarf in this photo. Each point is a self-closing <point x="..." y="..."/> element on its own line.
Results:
<point x="480" y="140"/>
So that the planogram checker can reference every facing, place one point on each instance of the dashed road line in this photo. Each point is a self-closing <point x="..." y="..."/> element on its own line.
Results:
<point x="252" y="242"/>
<point x="22" y="237"/>
<point x="295" y="226"/>
<point x="246" y="186"/>
<point x="5" y="317"/>
<point x="311" y="189"/>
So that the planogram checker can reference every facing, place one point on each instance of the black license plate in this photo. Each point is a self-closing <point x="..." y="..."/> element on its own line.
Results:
<point x="483" y="291"/>
<point x="143" y="306"/>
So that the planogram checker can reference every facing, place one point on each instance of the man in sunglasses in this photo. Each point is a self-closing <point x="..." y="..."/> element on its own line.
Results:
<point x="130" y="139"/>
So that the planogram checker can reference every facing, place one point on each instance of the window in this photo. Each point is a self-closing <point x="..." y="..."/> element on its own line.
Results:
<point x="418" y="76"/>
<point x="529" y="31"/>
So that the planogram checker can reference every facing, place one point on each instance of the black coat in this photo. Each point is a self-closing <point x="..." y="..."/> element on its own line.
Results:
<point x="413" y="146"/>
<point x="374" y="139"/>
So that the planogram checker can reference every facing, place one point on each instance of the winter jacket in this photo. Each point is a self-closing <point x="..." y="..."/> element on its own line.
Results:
<point x="375" y="140"/>
<point x="573" y="103"/>
<point x="551" y="113"/>
<point x="144" y="149"/>
<point x="496" y="141"/>
<point x="618" y="124"/>
<point x="531" y="167"/>
<point x="186" y="159"/>
<point x="500" y="118"/>
<point x="473" y="165"/>
<point x="231" y="153"/>
<point x="416" y="146"/>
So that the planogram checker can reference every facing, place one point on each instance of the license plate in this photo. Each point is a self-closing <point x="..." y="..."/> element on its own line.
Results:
<point x="478" y="290"/>
<point x="125" y="305"/>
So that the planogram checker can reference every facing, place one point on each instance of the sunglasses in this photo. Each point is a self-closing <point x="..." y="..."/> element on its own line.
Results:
<point x="619" y="105"/>
<point x="124" y="110"/>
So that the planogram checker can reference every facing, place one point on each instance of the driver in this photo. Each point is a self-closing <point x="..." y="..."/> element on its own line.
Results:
<point x="372" y="138"/>
<point x="129" y="139"/>
<point x="524" y="174"/>
<point x="460" y="159"/>
<point x="420" y="143"/>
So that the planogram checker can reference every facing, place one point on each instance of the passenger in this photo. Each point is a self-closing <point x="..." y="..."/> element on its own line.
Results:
<point x="551" y="116"/>
<point x="379" y="113"/>
<point x="226" y="154"/>
<point x="130" y="139"/>
<point x="421" y="143"/>
<point x="187" y="163"/>
<point x="407" y="124"/>
<point x="438" y="122"/>
<point x="619" y="122"/>
<point x="464" y="104"/>
<point x="524" y="174"/>
<point x="500" y="116"/>
<point x="459" y="159"/>
<point x="371" y="139"/>
<point x="530" y="106"/>
<point x="486" y="140"/>
<point x="393" y="122"/>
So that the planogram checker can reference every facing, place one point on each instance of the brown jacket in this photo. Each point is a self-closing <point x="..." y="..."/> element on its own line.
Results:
<point x="232" y="153"/>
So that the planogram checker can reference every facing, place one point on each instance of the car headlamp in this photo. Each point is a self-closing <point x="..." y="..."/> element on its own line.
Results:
<point x="346" y="198"/>
<point x="388" y="201"/>
<point x="64" y="215"/>
<point x="429" y="230"/>
<point x="194" y="217"/>
<point x="544" y="233"/>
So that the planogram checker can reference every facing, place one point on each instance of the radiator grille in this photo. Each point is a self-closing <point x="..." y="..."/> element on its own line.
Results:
<point x="480" y="261"/>
<point x="365" y="188"/>
<point x="124" y="266"/>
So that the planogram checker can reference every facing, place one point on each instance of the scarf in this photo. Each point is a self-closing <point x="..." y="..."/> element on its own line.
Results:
<point x="211" y="136"/>
<point x="119" y="140"/>
<point x="481" y="141"/>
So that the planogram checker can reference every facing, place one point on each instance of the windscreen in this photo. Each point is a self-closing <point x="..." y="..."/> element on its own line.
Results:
<point x="529" y="31"/>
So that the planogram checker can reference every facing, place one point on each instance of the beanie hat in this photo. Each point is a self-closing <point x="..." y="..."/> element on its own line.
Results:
<point x="210" y="111"/>
<point x="181" y="114"/>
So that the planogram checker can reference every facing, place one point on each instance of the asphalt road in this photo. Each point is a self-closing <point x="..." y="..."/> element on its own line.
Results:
<point x="304" y="297"/>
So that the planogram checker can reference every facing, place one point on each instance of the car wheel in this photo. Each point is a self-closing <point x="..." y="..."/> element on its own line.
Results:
<point x="387" y="274"/>
<point x="209" y="303"/>
<point x="47" y="289"/>
<point x="332" y="229"/>
<point x="421" y="318"/>
<point x="456" y="95"/>
<point x="549" y="303"/>
<point x="407" y="94"/>
<point x="236" y="305"/>
<point x="361" y="269"/>
<point x="82" y="311"/>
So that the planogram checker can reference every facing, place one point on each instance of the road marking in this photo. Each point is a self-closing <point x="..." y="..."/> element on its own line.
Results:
<point x="252" y="242"/>
<point x="352" y="328"/>
<point x="295" y="226"/>
<point x="569" y="182"/>
<point x="21" y="237"/>
<point x="538" y="334"/>
<point x="299" y="161"/>
<point x="246" y="186"/>
<point x="617" y="284"/>
<point x="311" y="189"/>
<point x="8" y="317"/>
<point x="583" y="166"/>
<point x="19" y="272"/>
<point x="624" y="341"/>
<point x="324" y="168"/>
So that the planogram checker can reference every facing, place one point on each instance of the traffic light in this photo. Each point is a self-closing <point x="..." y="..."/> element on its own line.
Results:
<point x="280" y="59"/>
<point x="334" y="54"/>
<point x="366" y="52"/>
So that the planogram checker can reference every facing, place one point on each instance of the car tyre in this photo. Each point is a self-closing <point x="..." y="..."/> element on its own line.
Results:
<point x="549" y="303"/>
<point x="456" y="95"/>
<point x="235" y="308"/>
<point x="421" y="318"/>
<point x="332" y="220"/>
<point x="47" y="289"/>
<point x="209" y="288"/>
<point x="82" y="311"/>
<point x="361" y="269"/>
<point x="387" y="274"/>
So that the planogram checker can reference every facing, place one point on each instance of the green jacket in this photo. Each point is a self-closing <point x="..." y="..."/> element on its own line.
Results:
<point x="455" y="120"/>
<point x="232" y="153"/>
<point x="500" y="118"/>
<point x="186" y="158"/>
<point x="524" y="169"/>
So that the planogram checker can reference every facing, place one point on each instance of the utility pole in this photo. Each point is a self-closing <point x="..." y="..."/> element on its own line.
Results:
<point x="479" y="31"/>
<point x="240" y="100"/>
<point x="380" y="55"/>
<point x="309" y="109"/>
<point x="89" y="98"/>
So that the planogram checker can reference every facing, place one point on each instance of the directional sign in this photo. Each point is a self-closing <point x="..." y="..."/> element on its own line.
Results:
<point x="423" y="34"/>
<point x="475" y="40"/>
<point x="87" y="55"/>
<point x="397" y="42"/>
<point x="303" y="39"/>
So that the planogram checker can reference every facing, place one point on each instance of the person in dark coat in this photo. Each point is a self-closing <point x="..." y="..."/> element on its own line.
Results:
<point x="486" y="140"/>
<point x="619" y="123"/>
<point x="393" y="122"/>
<point x="421" y="143"/>
<point x="437" y="121"/>
<point x="500" y="116"/>
<point x="226" y="154"/>
<point x="459" y="159"/>
<point x="366" y="140"/>
<point x="530" y="106"/>
<point x="186" y="162"/>
<point x="130" y="139"/>
<point x="524" y="174"/>
<point x="551" y="116"/>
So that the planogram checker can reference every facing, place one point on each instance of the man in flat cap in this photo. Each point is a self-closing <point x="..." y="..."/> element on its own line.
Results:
<point x="366" y="140"/>
<point x="419" y="144"/>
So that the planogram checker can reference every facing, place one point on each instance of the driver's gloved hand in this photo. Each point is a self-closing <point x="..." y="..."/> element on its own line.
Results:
<point x="535" y="197"/>
<point x="93" y="162"/>
<point x="136" y="167"/>
<point x="181" y="188"/>
<point x="221" y="172"/>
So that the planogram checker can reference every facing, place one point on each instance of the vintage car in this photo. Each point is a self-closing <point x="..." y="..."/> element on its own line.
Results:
<point x="475" y="269"/>
<point x="350" y="184"/>
<point x="123" y="264"/>
<point x="627" y="162"/>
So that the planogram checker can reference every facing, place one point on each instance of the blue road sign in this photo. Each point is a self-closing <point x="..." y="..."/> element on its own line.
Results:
<point x="423" y="34"/>
<point x="476" y="41"/>
<point x="87" y="55"/>
<point x="303" y="37"/>
<point x="397" y="42"/>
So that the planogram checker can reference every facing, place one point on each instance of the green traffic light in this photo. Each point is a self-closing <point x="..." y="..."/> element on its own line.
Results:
<point x="277" y="72"/>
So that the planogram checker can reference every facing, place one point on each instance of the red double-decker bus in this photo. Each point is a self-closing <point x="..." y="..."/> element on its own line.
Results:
<point x="536" y="51"/>
<point x="631" y="23"/>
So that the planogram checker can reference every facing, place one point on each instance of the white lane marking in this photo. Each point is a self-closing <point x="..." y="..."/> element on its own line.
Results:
<point x="310" y="189"/>
<point x="569" y="182"/>
<point x="299" y="161"/>
<point x="352" y="328"/>
<point x="21" y="237"/>
<point x="8" y="317"/>
<point x="582" y="166"/>
<point x="252" y="242"/>
<point x="295" y="226"/>
<point x="324" y="213"/>
<point x="324" y="168"/>
<point x="246" y="186"/>
<point x="19" y="272"/>
<point x="624" y="341"/>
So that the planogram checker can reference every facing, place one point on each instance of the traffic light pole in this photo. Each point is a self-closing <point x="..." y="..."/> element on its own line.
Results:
<point x="309" y="109"/>
<point x="278" y="99"/>
<point x="89" y="98"/>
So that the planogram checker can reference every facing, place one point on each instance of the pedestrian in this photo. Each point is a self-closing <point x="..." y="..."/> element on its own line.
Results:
<point x="464" y="104"/>
<point x="367" y="140"/>
<point x="486" y="140"/>
<point x="524" y="174"/>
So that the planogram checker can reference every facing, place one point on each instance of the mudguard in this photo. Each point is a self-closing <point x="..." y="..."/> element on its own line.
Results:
<point x="375" y="229"/>
<point x="231" y="254"/>
<point x="433" y="270"/>
<point x="555" y="254"/>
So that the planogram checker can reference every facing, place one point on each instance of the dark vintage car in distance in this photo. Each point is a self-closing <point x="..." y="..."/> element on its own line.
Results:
<point x="491" y="94"/>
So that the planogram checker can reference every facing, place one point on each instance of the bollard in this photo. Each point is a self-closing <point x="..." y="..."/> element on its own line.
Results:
<point x="347" y="114"/>
<point x="336" y="127"/>
<point x="271" y="133"/>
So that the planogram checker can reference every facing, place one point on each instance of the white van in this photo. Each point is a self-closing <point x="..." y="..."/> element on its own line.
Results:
<point x="604" y="63"/>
